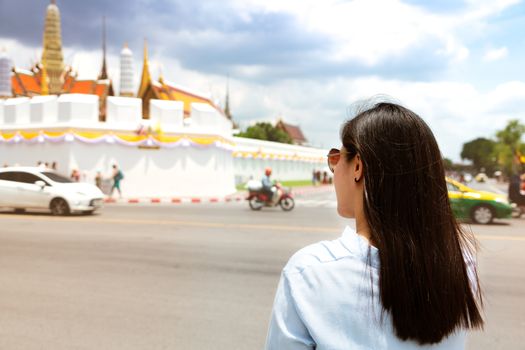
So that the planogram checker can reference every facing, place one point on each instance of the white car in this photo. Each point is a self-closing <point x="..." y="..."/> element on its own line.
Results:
<point x="35" y="188"/>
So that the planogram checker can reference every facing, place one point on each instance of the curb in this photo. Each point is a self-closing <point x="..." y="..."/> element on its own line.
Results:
<point x="237" y="197"/>
<point x="171" y="200"/>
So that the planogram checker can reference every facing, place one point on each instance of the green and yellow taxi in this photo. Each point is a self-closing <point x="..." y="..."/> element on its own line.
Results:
<point x="482" y="207"/>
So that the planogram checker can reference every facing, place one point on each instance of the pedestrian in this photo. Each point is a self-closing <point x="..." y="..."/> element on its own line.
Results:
<point x="514" y="191"/>
<point x="54" y="166"/>
<point x="98" y="180"/>
<point x="75" y="175"/>
<point x="314" y="178"/>
<point x="405" y="278"/>
<point x="117" y="176"/>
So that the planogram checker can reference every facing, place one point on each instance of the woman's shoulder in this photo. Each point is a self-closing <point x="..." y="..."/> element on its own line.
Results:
<point x="316" y="254"/>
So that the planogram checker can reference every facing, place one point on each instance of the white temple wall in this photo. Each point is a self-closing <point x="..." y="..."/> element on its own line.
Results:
<point x="78" y="108"/>
<point x="29" y="154"/>
<point x="44" y="109"/>
<point x="207" y="119"/>
<point x="2" y="101"/>
<point x="263" y="154"/>
<point x="166" y="172"/>
<point x="16" y="111"/>
<point x="125" y="111"/>
<point x="169" y="114"/>
<point x="175" y="172"/>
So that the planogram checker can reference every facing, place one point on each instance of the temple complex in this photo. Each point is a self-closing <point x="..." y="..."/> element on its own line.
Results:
<point x="52" y="76"/>
<point x="169" y="141"/>
<point x="61" y="79"/>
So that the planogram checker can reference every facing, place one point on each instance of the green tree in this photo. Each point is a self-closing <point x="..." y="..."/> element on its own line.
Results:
<point x="480" y="152"/>
<point x="508" y="145"/>
<point x="266" y="131"/>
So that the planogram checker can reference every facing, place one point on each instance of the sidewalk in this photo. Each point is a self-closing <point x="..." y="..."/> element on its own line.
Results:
<point x="235" y="197"/>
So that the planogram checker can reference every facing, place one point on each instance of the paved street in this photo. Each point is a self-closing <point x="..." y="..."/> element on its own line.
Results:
<point x="195" y="276"/>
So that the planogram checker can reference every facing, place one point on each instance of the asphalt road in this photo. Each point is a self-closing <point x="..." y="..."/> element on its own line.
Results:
<point x="192" y="276"/>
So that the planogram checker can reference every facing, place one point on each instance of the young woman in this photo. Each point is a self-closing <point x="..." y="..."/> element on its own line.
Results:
<point x="405" y="277"/>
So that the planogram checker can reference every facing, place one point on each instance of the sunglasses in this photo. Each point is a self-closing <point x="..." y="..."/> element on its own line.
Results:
<point x="334" y="155"/>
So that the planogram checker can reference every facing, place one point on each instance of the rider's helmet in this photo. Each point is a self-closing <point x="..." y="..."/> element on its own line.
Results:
<point x="268" y="171"/>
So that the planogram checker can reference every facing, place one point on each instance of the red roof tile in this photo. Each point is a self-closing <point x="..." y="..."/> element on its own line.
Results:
<point x="101" y="90"/>
<point x="24" y="83"/>
<point x="295" y="132"/>
<point x="16" y="87"/>
<point x="83" y="87"/>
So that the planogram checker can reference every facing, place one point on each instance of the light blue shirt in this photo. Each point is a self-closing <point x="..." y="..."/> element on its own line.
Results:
<point x="324" y="301"/>
<point x="266" y="182"/>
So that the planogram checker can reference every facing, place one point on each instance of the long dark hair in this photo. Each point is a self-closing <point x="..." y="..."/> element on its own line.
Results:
<point x="425" y="282"/>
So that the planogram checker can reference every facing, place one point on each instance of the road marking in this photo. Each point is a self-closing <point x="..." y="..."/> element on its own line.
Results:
<point x="219" y="225"/>
<point x="181" y="223"/>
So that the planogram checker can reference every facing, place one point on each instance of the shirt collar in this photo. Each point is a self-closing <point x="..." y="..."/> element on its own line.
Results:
<point x="360" y="247"/>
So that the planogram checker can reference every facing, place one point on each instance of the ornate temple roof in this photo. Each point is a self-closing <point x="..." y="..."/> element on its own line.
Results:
<point x="163" y="90"/>
<point x="293" y="131"/>
<point x="27" y="83"/>
<point x="167" y="91"/>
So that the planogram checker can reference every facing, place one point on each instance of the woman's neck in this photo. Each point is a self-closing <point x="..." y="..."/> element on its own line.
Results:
<point x="363" y="229"/>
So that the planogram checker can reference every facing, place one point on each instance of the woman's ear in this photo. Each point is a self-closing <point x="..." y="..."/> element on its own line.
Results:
<point x="358" y="168"/>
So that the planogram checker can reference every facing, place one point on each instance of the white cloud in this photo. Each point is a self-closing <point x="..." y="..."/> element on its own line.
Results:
<point x="372" y="31"/>
<point x="22" y="56"/>
<point x="496" y="54"/>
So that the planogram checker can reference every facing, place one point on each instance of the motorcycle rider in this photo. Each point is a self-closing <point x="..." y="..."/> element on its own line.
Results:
<point x="267" y="184"/>
<point x="269" y="188"/>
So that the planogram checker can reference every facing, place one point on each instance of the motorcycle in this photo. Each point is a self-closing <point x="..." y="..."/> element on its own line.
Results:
<point x="257" y="199"/>
<point x="517" y="210"/>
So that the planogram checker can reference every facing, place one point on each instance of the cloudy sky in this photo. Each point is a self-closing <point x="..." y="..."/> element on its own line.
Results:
<point x="459" y="64"/>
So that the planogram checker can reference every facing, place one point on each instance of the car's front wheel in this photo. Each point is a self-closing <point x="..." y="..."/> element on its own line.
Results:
<point x="482" y="214"/>
<point x="59" y="207"/>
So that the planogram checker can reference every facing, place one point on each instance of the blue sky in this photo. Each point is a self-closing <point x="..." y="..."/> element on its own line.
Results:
<point x="456" y="63"/>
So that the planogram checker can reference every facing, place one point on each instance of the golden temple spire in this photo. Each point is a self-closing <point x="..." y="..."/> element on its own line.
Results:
<point x="52" y="56"/>
<point x="44" y="90"/>
<point x="161" y="77"/>
<point x="145" y="81"/>
<point x="145" y="50"/>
